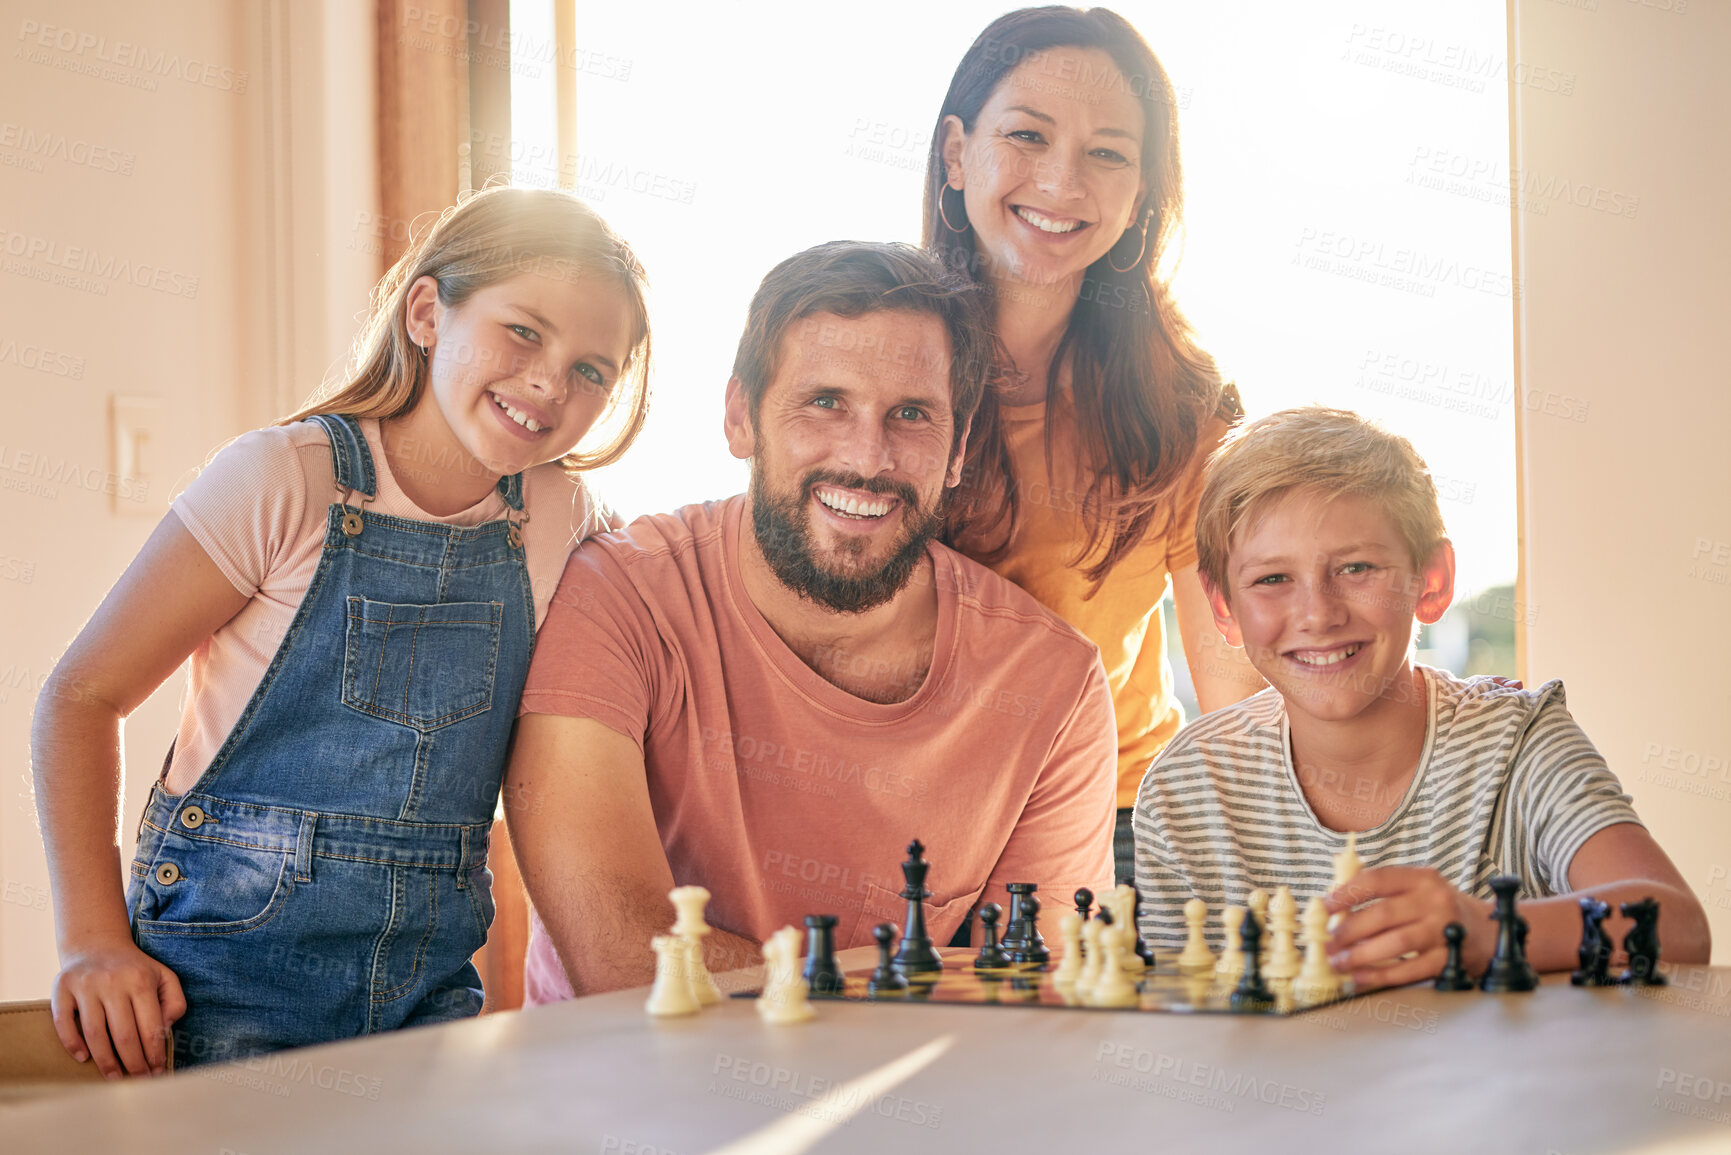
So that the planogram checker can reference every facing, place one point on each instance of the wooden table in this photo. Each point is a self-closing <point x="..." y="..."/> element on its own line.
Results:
<point x="1559" y="1070"/>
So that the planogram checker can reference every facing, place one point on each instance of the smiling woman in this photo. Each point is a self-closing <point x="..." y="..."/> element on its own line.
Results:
<point x="1053" y="181"/>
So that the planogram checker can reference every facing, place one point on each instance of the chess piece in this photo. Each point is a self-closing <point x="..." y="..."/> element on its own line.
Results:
<point x="1142" y="949"/>
<point x="1347" y="865"/>
<point x="689" y="902"/>
<point x="1122" y="903"/>
<point x="1093" y="955"/>
<point x="1070" y="966"/>
<point x="1115" y="987"/>
<point x="1016" y="929"/>
<point x="1595" y="952"/>
<point x="1032" y="951"/>
<point x="1641" y="944"/>
<point x="1283" y="960"/>
<point x="1231" y="963"/>
<point x="1196" y="955"/>
<point x="784" y="999"/>
<point x="1251" y="994"/>
<point x="822" y="975"/>
<point x="1317" y="979"/>
<point x="991" y="956"/>
<point x="1258" y="906"/>
<point x="885" y="980"/>
<point x="916" y="954"/>
<point x="1084" y="902"/>
<point x="1509" y="970"/>
<point x="1454" y="976"/>
<point x="672" y="993"/>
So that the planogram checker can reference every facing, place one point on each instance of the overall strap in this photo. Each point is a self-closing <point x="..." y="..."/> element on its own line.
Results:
<point x="511" y="491"/>
<point x="350" y="457"/>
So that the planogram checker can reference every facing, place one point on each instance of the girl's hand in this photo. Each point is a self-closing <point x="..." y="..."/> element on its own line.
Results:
<point x="1398" y="938"/>
<point x="125" y="1002"/>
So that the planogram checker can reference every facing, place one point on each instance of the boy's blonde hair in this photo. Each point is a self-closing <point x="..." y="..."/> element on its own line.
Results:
<point x="487" y="237"/>
<point x="1327" y="451"/>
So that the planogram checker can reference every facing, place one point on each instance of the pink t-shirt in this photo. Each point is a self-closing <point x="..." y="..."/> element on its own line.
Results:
<point x="259" y="510"/>
<point x="787" y="796"/>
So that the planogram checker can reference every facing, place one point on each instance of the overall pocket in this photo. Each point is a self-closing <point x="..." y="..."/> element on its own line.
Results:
<point x="424" y="666"/>
<point x="201" y="887"/>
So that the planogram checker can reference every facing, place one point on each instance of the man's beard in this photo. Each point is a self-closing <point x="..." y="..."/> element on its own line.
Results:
<point x="783" y="528"/>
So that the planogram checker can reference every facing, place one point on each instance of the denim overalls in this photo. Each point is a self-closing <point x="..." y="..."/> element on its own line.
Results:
<point x="327" y="876"/>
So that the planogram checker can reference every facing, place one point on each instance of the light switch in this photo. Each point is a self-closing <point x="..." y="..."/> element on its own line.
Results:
<point x="135" y="446"/>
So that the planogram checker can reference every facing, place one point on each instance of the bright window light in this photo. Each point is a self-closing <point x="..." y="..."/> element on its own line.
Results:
<point x="1347" y="238"/>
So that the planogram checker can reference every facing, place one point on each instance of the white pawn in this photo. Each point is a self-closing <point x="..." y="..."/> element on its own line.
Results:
<point x="689" y="901"/>
<point x="671" y="994"/>
<point x="1283" y="952"/>
<point x="784" y="994"/>
<point x="1317" y="979"/>
<point x="1196" y="956"/>
<point x="1347" y="864"/>
<point x="1070" y="967"/>
<point x="1115" y="988"/>
<point x="1231" y="963"/>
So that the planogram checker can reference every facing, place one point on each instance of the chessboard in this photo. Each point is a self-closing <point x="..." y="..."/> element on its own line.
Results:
<point x="1161" y="989"/>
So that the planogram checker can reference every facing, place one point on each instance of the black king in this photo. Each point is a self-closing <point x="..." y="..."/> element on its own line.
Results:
<point x="916" y="954"/>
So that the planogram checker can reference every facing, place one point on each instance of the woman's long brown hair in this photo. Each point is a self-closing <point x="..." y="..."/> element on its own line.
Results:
<point x="1142" y="388"/>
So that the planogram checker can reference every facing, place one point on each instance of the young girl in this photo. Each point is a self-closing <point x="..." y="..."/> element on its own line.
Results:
<point x="358" y="588"/>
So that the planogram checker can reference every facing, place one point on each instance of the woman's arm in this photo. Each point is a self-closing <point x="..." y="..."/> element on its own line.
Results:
<point x="170" y="599"/>
<point x="1220" y="672"/>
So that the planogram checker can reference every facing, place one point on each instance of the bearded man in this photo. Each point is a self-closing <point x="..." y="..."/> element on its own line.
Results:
<point x="772" y="696"/>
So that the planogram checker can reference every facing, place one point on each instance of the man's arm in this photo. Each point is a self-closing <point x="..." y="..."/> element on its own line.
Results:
<point x="1063" y="838"/>
<point x="591" y="854"/>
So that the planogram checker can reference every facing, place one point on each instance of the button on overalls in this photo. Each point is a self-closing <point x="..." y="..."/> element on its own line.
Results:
<point x="327" y="876"/>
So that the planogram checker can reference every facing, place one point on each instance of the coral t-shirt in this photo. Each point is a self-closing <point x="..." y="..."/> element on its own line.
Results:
<point x="786" y="795"/>
<point x="1123" y="616"/>
<point x="259" y="510"/>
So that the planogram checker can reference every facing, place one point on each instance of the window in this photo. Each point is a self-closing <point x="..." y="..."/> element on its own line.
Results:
<point x="1346" y="183"/>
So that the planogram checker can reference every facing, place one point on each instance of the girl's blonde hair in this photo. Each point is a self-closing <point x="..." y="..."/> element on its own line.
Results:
<point x="487" y="237"/>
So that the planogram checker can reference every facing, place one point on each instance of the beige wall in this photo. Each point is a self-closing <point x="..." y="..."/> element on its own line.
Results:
<point x="151" y="145"/>
<point x="1626" y="513"/>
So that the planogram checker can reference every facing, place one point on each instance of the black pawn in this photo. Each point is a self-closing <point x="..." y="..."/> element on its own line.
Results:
<point x="1016" y="930"/>
<point x="1641" y="944"/>
<point x="1143" y="951"/>
<point x="1251" y="994"/>
<point x="992" y="956"/>
<point x="886" y="980"/>
<point x="1032" y="951"/>
<point x="1084" y="902"/>
<point x="916" y="953"/>
<point x="822" y="975"/>
<point x="1454" y="976"/>
<point x="1509" y="970"/>
<point x="1595" y="951"/>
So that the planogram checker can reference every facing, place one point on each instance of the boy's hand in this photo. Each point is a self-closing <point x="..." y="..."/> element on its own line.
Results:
<point x="1409" y="906"/>
<point x="125" y="1001"/>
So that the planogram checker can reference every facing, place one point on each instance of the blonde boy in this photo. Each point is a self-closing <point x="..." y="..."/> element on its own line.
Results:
<point x="1320" y="543"/>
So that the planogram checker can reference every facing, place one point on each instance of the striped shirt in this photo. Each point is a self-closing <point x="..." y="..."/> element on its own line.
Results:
<point x="1507" y="783"/>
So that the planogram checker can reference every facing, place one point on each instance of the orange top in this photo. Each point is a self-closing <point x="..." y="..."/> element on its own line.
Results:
<point x="1123" y="618"/>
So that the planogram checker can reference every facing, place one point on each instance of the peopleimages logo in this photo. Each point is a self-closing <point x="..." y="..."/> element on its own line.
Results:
<point x="124" y="54"/>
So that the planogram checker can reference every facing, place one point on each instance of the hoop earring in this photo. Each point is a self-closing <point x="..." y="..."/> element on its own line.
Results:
<point x="945" y="217"/>
<point x="1140" y="249"/>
